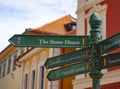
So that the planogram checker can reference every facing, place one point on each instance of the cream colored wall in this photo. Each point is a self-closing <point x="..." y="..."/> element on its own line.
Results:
<point x="11" y="81"/>
<point x="36" y="58"/>
<point x="81" y="15"/>
<point x="102" y="11"/>
<point x="32" y="61"/>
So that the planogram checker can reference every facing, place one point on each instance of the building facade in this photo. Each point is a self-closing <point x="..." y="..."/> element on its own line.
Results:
<point x="109" y="13"/>
<point x="33" y="72"/>
<point x="23" y="67"/>
<point x="9" y="71"/>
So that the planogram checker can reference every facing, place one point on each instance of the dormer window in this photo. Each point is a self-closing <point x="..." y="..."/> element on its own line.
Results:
<point x="70" y="26"/>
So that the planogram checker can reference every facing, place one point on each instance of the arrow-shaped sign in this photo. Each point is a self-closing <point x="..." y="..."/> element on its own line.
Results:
<point x="111" y="60"/>
<point x="49" y="41"/>
<point x="110" y="44"/>
<point x="67" y="71"/>
<point x="75" y="56"/>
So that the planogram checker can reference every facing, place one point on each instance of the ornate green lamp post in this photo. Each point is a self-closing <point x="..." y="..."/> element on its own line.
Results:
<point x="95" y="36"/>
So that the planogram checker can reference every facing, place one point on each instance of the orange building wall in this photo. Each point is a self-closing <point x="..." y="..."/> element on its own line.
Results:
<point x="66" y="83"/>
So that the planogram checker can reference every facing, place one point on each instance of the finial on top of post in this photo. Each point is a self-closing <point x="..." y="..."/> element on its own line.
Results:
<point x="95" y="21"/>
<point x="95" y="24"/>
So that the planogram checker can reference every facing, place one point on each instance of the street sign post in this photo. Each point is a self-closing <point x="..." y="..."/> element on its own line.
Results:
<point x="75" y="56"/>
<point x="88" y="59"/>
<point x="95" y="37"/>
<point x="49" y="41"/>
<point x="71" y="70"/>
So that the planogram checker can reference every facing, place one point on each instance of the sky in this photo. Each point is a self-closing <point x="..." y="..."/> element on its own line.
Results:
<point x="17" y="15"/>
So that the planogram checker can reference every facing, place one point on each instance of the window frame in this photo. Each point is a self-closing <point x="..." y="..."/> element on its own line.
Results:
<point x="41" y="74"/>
<point x="25" y="81"/>
<point x="31" y="78"/>
<point x="4" y="68"/>
<point x="9" y="60"/>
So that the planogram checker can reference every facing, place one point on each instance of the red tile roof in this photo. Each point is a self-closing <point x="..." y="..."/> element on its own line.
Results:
<point x="56" y="27"/>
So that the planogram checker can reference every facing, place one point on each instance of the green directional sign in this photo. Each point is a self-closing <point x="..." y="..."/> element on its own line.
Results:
<point x="67" y="71"/>
<point x="49" y="41"/>
<point x="75" y="56"/>
<point x="111" y="60"/>
<point x="110" y="43"/>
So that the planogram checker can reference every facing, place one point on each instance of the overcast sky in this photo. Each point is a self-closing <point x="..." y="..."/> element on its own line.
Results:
<point x="17" y="15"/>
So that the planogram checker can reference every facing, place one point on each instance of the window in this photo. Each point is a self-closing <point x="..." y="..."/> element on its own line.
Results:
<point x="26" y="81"/>
<point x="0" y="70"/>
<point x="14" y="58"/>
<point x="9" y="64"/>
<point x="21" y="50"/>
<point x="4" y="68"/>
<point x="33" y="79"/>
<point x="70" y="26"/>
<point x="57" y="51"/>
<point x="41" y="78"/>
<point x="55" y="84"/>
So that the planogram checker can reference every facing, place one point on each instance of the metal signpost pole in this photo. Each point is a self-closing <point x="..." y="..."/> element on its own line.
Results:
<point x="95" y="37"/>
